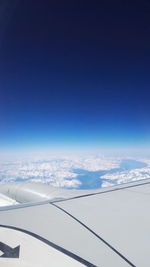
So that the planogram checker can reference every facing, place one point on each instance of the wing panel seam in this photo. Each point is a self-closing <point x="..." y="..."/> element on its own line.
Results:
<point x="99" y="237"/>
<point x="99" y="193"/>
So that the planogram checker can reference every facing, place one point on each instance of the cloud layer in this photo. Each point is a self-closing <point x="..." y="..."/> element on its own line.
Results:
<point x="66" y="172"/>
<point x="60" y="172"/>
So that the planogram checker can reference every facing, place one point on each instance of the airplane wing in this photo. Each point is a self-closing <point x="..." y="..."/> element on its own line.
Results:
<point x="106" y="228"/>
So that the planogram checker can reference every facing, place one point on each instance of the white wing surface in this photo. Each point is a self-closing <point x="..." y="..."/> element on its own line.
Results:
<point x="105" y="228"/>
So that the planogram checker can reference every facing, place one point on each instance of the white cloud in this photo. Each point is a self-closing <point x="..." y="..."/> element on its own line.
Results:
<point x="60" y="172"/>
<point x="107" y="184"/>
<point x="57" y="172"/>
<point x="128" y="176"/>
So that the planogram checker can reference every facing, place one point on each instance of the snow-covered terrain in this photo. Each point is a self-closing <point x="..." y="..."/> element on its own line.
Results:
<point x="63" y="172"/>
<point x="57" y="172"/>
<point x="74" y="172"/>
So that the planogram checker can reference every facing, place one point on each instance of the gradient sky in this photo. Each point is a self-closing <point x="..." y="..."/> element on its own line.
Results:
<point x="74" y="73"/>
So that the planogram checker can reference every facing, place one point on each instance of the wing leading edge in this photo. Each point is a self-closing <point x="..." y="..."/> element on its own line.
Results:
<point x="109" y="227"/>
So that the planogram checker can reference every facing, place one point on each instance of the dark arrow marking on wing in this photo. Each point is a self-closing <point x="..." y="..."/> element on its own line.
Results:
<point x="49" y="243"/>
<point x="9" y="252"/>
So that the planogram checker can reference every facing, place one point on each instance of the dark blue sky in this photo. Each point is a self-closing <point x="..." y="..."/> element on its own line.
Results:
<point x="74" y="73"/>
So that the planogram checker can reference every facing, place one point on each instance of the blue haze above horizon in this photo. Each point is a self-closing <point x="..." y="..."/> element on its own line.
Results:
<point x="75" y="75"/>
